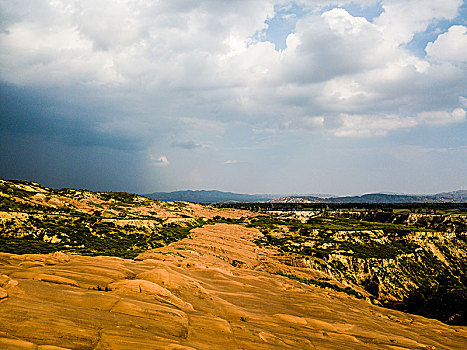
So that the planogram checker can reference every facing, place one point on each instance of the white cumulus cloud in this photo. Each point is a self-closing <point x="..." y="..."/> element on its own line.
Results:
<point x="160" y="161"/>
<point x="450" y="46"/>
<point x="352" y="125"/>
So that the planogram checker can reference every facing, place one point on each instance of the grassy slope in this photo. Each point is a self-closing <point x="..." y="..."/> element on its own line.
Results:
<point x="37" y="219"/>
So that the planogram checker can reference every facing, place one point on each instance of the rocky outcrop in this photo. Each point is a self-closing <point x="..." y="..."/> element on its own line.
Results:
<point x="3" y="293"/>
<point x="149" y="288"/>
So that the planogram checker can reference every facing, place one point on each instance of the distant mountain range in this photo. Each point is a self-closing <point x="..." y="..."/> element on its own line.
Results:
<point x="204" y="196"/>
<point x="446" y="197"/>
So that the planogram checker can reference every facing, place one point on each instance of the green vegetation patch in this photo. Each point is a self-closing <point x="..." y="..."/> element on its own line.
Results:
<point x="321" y="237"/>
<point x="391" y="261"/>
<point x="123" y="197"/>
<point x="87" y="235"/>
<point x="220" y="219"/>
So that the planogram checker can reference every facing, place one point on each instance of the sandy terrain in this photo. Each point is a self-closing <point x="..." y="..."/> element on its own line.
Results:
<point x="209" y="291"/>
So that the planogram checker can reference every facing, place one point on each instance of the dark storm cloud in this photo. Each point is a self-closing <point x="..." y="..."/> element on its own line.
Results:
<point x="29" y="111"/>
<point x="53" y="163"/>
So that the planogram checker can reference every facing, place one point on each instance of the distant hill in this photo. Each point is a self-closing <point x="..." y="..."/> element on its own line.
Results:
<point x="213" y="196"/>
<point x="445" y="197"/>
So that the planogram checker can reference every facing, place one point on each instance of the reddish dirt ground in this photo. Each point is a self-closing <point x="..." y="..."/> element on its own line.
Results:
<point x="208" y="291"/>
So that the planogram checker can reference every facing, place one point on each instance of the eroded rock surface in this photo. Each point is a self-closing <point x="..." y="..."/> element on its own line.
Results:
<point x="208" y="291"/>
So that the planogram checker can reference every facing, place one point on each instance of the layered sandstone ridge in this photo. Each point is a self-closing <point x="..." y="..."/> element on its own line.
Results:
<point x="208" y="291"/>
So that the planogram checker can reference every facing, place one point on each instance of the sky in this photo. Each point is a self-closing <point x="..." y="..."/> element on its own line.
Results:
<point x="251" y="96"/>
